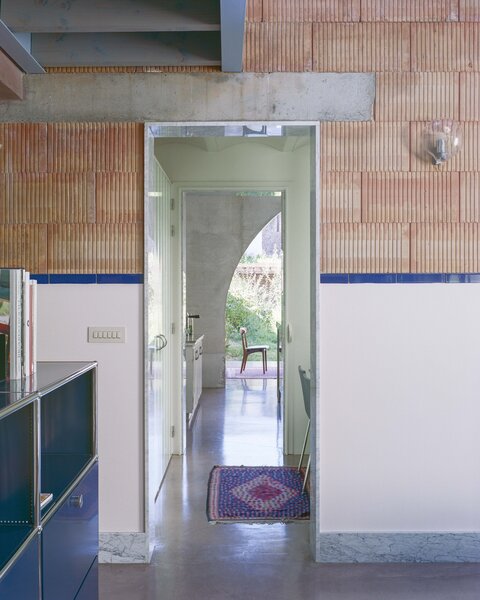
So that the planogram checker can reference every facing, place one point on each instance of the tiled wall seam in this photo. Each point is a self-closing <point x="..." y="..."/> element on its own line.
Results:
<point x="410" y="197"/>
<point x="311" y="11"/>
<point x="361" y="47"/>
<point x="372" y="146"/>
<point x="24" y="246"/>
<point x="418" y="97"/>
<point x="410" y="10"/>
<point x="469" y="10"/>
<point x="469" y="96"/>
<point x="279" y="47"/>
<point x="364" y="247"/>
<point x="434" y="11"/>
<point x="445" y="47"/>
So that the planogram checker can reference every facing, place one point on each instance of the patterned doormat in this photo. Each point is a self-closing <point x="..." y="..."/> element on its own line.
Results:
<point x="257" y="495"/>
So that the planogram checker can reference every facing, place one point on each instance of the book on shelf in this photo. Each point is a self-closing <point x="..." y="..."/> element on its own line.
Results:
<point x="17" y="311"/>
<point x="33" y="327"/>
<point x="26" y="323"/>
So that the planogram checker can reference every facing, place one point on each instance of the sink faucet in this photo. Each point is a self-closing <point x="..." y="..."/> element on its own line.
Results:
<point x="189" y="326"/>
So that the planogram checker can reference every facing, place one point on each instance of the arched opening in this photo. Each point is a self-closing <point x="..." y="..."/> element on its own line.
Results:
<point x="254" y="304"/>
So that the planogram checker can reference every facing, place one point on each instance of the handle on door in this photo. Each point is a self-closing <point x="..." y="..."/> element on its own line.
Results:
<point x="289" y="333"/>
<point x="160" y="341"/>
<point x="76" y="501"/>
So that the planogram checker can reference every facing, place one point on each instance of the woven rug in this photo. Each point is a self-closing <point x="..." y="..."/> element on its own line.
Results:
<point x="256" y="495"/>
<point x="251" y="373"/>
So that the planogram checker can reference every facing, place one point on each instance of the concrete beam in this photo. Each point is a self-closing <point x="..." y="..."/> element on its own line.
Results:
<point x="195" y="97"/>
<point x="127" y="49"/>
<point x="11" y="79"/>
<point x="110" y="15"/>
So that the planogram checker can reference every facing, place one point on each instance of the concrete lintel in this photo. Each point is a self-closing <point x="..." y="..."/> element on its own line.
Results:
<point x="195" y="97"/>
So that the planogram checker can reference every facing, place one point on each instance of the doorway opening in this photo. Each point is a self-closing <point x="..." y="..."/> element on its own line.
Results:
<point x="206" y="158"/>
<point x="254" y="308"/>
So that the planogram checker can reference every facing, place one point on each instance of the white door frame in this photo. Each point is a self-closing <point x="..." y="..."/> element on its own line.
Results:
<point x="179" y="190"/>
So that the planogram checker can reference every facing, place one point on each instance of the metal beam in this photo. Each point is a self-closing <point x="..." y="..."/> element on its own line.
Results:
<point x="11" y="79"/>
<point x="127" y="49"/>
<point x="15" y="50"/>
<point x="92" y="16"/>
<point x="232" y="17"/>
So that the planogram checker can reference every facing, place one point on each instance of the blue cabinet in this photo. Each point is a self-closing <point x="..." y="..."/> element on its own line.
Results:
<point x="89" y="589"/>
<point x="49" y="484"/>
<point x="70" y="540"/>
<point x="22" y="580"/>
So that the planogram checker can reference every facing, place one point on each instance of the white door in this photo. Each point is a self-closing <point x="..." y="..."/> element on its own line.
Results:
<point x="158" y="410"/>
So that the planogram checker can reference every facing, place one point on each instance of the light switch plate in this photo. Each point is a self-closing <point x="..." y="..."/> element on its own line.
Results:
<point x="106" y="335"/>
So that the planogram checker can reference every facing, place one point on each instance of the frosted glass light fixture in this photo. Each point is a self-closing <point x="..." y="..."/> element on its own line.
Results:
<point x="442" y="139"/>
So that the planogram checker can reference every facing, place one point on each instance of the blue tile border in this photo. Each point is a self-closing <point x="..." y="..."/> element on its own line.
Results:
<point x="399" y="278"/>
<point x="327" y="278"/>
<point x="462" y="277"/>
<point x="72" y="278"/>
<point x="88" y="278"/>
<point x="39" y="277"/>
<point x="119" y="278"/>
<point x="420" y="278"/>
<point x="334" y="278"/>
<point x="372" y="278"/>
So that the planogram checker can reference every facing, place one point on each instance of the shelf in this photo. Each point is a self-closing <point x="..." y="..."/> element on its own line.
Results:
<point x="49" y="376"/>
<point x="59" y="471"/>
<point x="47" y="446"/>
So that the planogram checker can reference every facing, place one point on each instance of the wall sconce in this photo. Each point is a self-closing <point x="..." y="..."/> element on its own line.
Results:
<point x="442" y="139"/>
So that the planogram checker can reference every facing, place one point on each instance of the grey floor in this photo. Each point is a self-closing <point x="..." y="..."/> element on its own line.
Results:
<point x="197" y="560"/>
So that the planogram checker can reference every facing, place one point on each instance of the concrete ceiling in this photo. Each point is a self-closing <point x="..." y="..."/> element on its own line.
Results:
<point x="120" y="33"/>
<point x="218" y="144"/>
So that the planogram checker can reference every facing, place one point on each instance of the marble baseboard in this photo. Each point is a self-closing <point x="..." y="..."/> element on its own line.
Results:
<point x="123" y="548"/>
<point x="398" y="547"/>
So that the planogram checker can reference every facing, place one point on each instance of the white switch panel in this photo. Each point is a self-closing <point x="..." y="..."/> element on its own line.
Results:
<point x="106" y="335"/>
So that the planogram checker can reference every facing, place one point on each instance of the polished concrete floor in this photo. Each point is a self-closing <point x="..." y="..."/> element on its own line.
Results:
<point x="199" y="561"/>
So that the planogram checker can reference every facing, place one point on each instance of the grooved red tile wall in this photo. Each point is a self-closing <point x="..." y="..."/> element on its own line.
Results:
<point x="71" y="197"/>
<point x="384" y="205"/>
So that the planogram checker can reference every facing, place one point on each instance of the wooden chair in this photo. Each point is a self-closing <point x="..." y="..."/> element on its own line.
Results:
<point x="305" y="382"/>
<point x="247" y="350"/>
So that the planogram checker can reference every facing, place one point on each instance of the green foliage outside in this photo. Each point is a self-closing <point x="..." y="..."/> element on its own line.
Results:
<point x="256" y="305"/>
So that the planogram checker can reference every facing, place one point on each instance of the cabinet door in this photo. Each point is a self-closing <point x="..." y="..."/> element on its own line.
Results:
<point x="22" y="581"/>
<point x="70" y="541"/>
<point x="189" y="377"/>
<point x="89" y="589"/>
<point x="200" y="370"/>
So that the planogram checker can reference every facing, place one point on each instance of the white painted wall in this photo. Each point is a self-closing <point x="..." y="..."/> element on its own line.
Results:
<point x="398" y="424"/>
<point x="297" y="285"/>
<point x="64" y="313"/>
<point x="257" y="164"/>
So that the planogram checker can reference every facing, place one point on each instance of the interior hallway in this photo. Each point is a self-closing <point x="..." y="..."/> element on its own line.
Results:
<point x="193" y="559"/>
